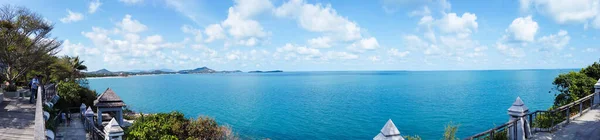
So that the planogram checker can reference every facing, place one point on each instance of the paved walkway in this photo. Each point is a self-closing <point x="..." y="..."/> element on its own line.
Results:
<point x="586" y="127"/>
<point x="16" y="119"/>
<point x="74" y="131"/>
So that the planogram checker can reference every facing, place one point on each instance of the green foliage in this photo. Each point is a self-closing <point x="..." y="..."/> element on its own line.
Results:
<point x="11" y="88"/>
<point x="450" y="131"/>
<point x="416" y="137"/>
<point x="72" y="95"/>
<point x="592" y="71"/>
<point x="24" y="42"/>
<point x="548" y="120"/>
<point x="502" y="135"/>
<point x="175" y="126"/>
<point x="572" y="86"/>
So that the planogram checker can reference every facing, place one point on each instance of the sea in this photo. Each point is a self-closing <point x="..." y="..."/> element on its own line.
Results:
<point x="340" y="104"/>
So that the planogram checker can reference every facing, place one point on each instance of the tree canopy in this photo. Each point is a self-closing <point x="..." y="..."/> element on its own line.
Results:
<point x="24" y="41"/>
<point x="175" y="126"/>
<point x="575" y="85"/>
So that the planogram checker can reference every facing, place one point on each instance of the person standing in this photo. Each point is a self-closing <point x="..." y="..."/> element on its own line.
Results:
<point x="34" y="86"/>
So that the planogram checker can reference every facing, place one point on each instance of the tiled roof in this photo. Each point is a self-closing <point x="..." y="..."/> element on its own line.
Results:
<point x="108" y="99"/>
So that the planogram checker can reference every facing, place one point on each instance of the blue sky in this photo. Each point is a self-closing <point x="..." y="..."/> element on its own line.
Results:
<point x="323" y="35"/>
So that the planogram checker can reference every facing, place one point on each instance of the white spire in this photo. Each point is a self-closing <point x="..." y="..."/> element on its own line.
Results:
<point x="389" y="132"/>
<point x="518" y="108"/>
<point x="597" y="85"/>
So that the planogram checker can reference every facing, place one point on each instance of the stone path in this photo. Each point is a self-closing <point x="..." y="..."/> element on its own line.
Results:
<point x="586" y="127"/>
<point x="16" y="119"/>
<point x="74" y="131"/>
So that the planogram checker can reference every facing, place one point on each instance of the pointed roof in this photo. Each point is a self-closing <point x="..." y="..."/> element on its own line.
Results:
<point x="597" y="85"/>
<point x="389" y="132"/>
<point x="518" y="108"/>
<point x="89" y="112"/>
<point x="113" y="127"/>
<point x="108" y="99"/>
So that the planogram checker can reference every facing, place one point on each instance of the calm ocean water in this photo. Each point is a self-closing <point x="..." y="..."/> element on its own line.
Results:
<point x="340" y="105"/>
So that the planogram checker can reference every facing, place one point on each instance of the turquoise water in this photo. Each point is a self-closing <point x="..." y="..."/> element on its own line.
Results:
<point x="340" y="105"/>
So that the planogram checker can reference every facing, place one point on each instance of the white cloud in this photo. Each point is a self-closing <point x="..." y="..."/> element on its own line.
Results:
<point x="565" y="11"/>
<point x="130" y="25"/>
<point x="214" y="32"/>
<point x="72" y="17"/>
<point x="340" y="55"/>
<point x="396" y="53"/>
<point x="131" y="1"/>
<point x="191" y="30"/>
<point x="154" y="39"/>
<point x="94" y="5"/>
<point x="523" y="29"/>
<point x="374" y="58"/>
<point x="364" y="45"/>
<point x="319" y="18"/>
<point x="78" y="49"/>
<point x="556" y="41"/>
<point x="320" y="42"/>
<point x="510" y="51"/>
<point x="463" y="25"/>
<point x="590" y="50"/>
<point x="300" y="50"/>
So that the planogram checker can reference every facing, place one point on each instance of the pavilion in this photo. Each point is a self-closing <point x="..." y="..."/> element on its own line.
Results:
<point x="109" y="102"/>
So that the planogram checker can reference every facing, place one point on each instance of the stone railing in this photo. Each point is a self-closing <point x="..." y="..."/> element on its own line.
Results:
<point x="537" y="121"/>
<point x="40" y="124"/>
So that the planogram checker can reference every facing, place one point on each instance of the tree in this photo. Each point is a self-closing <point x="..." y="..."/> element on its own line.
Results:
<point x="592" y="71"/>
<point x="174" y="125"/>
<point x="572" y="86"/>
<point x="24" y="41"/>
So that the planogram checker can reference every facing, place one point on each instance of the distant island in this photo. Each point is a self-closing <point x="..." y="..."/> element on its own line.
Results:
<point x="201" y="70"/>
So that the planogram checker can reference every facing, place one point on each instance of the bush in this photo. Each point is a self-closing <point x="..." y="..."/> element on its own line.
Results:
<point x="450" y="131"/>
<point x="11" y="88"/>
<point x="72" y="95"/>
<point x="175" y="126"/>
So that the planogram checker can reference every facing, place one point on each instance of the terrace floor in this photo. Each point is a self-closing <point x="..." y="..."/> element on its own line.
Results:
<point x="586" y="127"/>
<point x="17" y="117"/>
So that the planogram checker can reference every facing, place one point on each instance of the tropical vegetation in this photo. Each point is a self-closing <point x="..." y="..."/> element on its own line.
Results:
<point x="175" y="126"/>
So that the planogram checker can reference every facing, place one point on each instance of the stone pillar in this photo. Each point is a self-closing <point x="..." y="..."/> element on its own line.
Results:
<point x="89" y="116"/>
<point x="113" y="131"/>
<point x="82" y="109"/>
<point x="120" y="117"/>
<point x="518" y="112"/>
<point x="99" y="121"/>
<point x="389" y="132"/>
<point x="597" y="92"/>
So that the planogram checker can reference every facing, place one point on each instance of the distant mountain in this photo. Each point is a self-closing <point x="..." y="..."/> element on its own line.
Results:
<point x="165" y="70"/>
<point x="198" y="70"/>
<point x="102" y="71"/>
<point x="235" y="71"/>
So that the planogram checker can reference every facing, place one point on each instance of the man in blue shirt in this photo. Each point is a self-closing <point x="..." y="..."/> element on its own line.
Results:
<point x="34" y="86"/>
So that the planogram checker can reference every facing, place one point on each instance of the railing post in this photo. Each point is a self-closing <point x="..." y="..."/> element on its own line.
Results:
<point x="580" y="108"/>
<point x="517" y="112"/>
<point x="568" y="115"/>
<point x="597" y="92"/>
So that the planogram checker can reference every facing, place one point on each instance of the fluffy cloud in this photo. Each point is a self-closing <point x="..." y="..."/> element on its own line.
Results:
<point x="299" y="50"/>
<point x="396" y="53"/>
<point x="365" y="44"/>
<point x="94" y="5"/>
<point x="191" y="30"/>
<point x="78" y="49"/>
<point x="131" y="1"/>
<point x="214" y="32"/>
<point x="340" y="56"/>
<point x="566" y="11"/>
<point x="130" y="25"/>
<point x="319" y="18"/>
<point x="523" y="29"/>
<point x="555" y="41"/>
<point x="320" y="42"/>
<point x="72" y="17"/>
<point x="510" y="51"/>
<point x="463" y="25"/>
